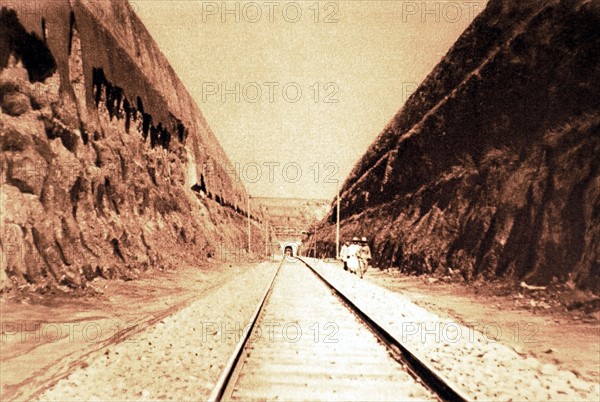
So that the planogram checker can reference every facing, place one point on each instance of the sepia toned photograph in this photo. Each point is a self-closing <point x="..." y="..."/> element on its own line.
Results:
<point x="306" y="200"/>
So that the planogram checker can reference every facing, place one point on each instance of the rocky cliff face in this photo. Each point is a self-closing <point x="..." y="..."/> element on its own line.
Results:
<point x="492" y="166"/>
<point x="107" y="166"/>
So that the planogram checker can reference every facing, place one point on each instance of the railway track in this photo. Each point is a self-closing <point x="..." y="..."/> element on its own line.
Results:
<point x="307" y="341"/>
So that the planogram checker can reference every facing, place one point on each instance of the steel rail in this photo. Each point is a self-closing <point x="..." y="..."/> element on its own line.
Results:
<point x="224" y="380"/>
<point x="419" y="367"/>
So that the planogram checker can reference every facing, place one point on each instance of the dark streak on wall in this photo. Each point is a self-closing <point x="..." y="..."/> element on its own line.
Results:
<point x="36" y="57"/>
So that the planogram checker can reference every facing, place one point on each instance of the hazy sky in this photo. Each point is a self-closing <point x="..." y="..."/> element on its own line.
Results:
<point x="297" y="91"/>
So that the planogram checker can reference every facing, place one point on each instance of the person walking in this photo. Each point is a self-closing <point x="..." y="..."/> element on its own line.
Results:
<point x="353" y="250"/>
<point x="344" y="255"/>
<point x="364" y="256"/>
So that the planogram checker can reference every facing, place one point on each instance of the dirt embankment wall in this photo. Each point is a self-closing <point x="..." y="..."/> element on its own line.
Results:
<point x="492" y="166"/>
<point x="107" y="166"/>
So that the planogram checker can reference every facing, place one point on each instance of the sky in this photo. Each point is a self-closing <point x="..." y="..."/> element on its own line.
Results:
<point x="296" y="91"/>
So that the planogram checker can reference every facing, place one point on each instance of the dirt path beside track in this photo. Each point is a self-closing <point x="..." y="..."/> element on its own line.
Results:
<point x="552" y="336"/>
<point x="44" y="338"/>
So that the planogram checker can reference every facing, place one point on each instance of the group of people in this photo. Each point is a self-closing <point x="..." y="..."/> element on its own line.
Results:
<point x="356" y="256"/>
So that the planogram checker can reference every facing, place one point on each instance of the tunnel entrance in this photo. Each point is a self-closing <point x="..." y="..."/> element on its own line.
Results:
<point x="288" y="251"/>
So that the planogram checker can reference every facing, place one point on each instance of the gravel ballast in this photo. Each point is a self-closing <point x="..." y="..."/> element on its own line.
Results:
<point x="480" y="366"/>
<point x="179" y="358"/>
